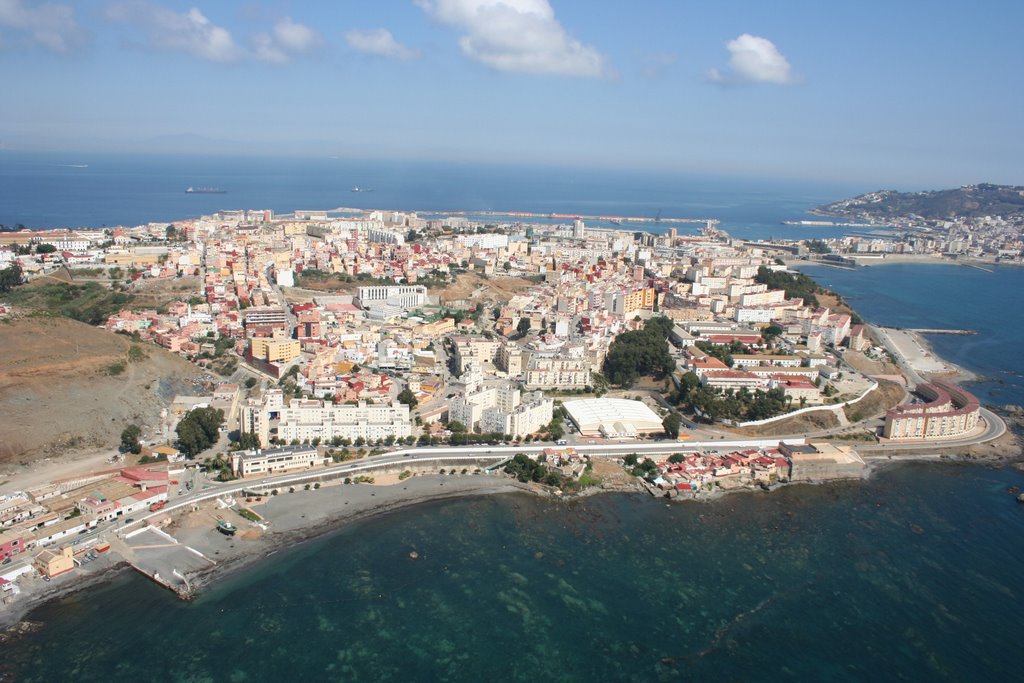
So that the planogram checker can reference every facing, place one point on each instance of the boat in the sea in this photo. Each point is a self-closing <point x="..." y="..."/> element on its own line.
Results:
<point x="356" y="188"/>
<point x="204" y="190"/>
<point x="226" y="527"/>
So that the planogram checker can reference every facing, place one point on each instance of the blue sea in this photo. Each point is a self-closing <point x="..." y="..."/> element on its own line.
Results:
<point x="913" y="575"/>
<point x="947" y="297"/>
<point x="55" y="190"/>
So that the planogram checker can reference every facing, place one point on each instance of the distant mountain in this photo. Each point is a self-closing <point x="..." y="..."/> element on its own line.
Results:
<point x="969" y="201"/>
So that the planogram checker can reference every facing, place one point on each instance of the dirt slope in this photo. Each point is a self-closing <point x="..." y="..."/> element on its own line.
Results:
<point x="57" y="390"/>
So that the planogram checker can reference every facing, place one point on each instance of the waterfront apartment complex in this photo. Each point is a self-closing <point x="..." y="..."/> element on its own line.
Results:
<point x="950" y="411"/>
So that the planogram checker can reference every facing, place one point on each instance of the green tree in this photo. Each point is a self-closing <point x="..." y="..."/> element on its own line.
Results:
<point x="407" y="397"/>
<point x="10" y="277"/>
<point x="45" y="249"/>
<point x="523" y="327"/>
<point x="130" y="439"/>
<point x="199" y="430"/>
<point x="248" y="441"/>
<point x="640" y="352"/>
<point x="672" y="423"/>
<point x="796" y="285"/>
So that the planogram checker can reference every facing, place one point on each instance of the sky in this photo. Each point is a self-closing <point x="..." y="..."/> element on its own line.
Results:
<point x="913" y="94"/>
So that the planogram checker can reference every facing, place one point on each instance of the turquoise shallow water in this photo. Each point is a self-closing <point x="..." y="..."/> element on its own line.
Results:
<point x="913" y="575"/>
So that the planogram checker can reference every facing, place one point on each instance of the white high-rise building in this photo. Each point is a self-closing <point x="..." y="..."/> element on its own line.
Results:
<point x="502" y="410"/>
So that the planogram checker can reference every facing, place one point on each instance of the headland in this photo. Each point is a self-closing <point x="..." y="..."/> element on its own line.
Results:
<point x="316" y="369"/>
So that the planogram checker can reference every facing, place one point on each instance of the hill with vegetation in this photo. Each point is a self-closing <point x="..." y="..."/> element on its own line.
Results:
<point x="969" y="201"/>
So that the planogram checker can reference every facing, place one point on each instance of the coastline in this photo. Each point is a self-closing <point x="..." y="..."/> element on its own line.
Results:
<point x="915" y="350"/>
<point x="290" y="529"/>
<point x="301" y="516"/>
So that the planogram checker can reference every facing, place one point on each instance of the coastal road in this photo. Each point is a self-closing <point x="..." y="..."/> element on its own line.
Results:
<point x="994" y="428"/>
<point x="421" y="456"/>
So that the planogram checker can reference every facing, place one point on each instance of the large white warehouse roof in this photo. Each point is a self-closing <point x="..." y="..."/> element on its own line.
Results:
<point x="612" y="416"/>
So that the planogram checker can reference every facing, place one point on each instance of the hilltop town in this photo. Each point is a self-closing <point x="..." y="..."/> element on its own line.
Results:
<point x="367" y="347"/>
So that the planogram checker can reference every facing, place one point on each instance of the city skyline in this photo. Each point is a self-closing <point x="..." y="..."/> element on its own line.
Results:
<point x="873" y="94"/>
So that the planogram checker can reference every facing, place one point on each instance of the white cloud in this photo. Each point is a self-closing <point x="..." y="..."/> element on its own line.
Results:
<point x="287" y="38"/>
<point x="517" y="35"/>
<point x="753" y="59"/>
<point x="380" y="43"/>
<point x="50" y="25"/>
<point x="193" y="33"/>
<point x="190" y="32"/>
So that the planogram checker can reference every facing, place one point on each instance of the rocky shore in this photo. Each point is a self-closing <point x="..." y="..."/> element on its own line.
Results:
<point x="293" y="518"/>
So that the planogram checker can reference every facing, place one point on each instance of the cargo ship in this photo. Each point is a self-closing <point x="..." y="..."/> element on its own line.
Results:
<point x="204" y="190"/>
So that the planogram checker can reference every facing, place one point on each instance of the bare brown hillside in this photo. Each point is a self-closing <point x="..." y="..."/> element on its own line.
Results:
<point x="61" y="388"/>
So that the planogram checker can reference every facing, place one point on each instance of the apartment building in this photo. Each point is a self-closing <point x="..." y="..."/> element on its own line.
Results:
<point x="502" y="409"/>
<point x="479" y="350"/>
<point x="554" y="372"/>
<point x="273" y="461"/>
<point x="274" y="350"/>
<point x="312" y="419"/>
<point x="949" y="411"/>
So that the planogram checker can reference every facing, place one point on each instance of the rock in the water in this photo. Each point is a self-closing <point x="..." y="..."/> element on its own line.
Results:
<point x="1020" y="498"/>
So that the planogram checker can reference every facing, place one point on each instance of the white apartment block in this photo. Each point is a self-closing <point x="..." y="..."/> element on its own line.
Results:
<point x="754" y="315"/>
<point x="510" y="359"/>
<point x="401" y="296"/>
<point x="528" y="417"/>
<point x="480" y="350"/>
<point x="547" y="372"/>
<point x="747" y="360"/>
<point x="311" y="419"/>
<point x="766" y="298"/>
<point x="469" y="408"/>
<point x="384" y="236"/>
<point x="500" y="409"/>
<point x="484" y="241"/>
